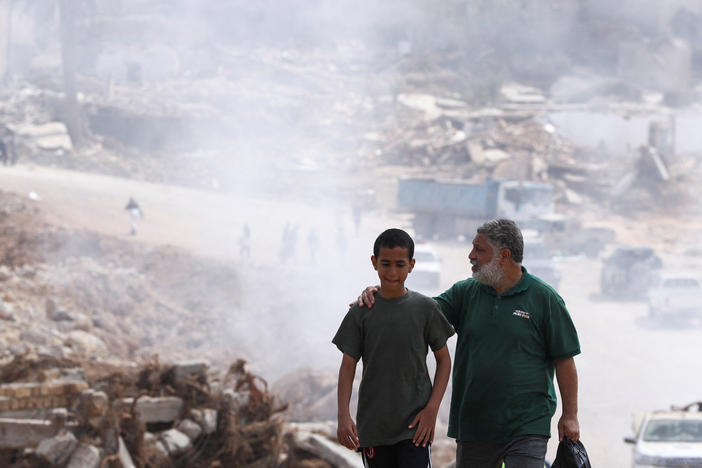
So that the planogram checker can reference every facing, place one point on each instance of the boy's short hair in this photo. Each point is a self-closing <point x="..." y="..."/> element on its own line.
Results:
<point x="394" y="238"/>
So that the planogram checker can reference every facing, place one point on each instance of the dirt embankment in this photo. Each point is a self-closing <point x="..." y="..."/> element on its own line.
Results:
<point x="72" y="292"/>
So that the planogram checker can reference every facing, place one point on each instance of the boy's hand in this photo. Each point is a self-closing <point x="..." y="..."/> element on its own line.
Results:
<point x="367" y="297"/>
<point x="424" y="422"/>
<point x="346" y="433"/>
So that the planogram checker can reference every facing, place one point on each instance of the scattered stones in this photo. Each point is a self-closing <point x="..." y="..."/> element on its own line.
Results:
<point x="85" y="456"/>
<point x="337" y="455"/>
<point x="175" y="442"/>
<point x="6" y="311"/>
<point x="156" y="410"/>
<point x="184" y="369"/>
<point x="92" y="407"/>
<point x="20" y="433"/>
<point x="190" y="428"/>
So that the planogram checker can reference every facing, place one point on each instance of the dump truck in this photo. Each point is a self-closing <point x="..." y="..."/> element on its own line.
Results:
<point x="445" y="208"/>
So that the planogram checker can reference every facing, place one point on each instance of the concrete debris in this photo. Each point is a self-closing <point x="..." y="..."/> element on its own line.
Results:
<point x="175" y="442"/>
<point x="190" y="429"/>
<point x="119" y="417"/>
<point x="20" y="433"/>
<point x="85" y="456"/>
<point x="92" y="407"/>
<point x="206" y="418"/>
<point x="335" y="454"/>
<point x="58" y="449"/>
<point x="123" y="455"/>
<point x="155" y="410"/>
<point x="184" y="369"/>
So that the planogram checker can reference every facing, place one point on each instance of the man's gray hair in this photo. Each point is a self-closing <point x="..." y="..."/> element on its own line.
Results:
<point x="504" y="234"/>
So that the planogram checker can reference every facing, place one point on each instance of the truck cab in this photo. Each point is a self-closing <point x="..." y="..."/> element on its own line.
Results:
<point x="448" y="208"/>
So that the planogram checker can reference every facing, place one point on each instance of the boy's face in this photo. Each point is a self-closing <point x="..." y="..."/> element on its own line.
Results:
<point x="393" y="265"/>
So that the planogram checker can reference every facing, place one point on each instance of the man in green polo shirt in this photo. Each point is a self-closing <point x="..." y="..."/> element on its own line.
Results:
<point x="514" y="332"/>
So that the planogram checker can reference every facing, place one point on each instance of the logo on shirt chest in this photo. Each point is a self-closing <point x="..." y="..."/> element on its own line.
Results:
<point x="522" y="314"/>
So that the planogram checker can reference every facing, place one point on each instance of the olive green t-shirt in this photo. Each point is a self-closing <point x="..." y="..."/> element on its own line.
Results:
<point x="392" y="339"/>
<point x="503" y="368"/>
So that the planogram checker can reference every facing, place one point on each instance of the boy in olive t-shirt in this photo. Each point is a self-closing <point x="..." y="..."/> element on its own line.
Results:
<point x="397" y="404"/>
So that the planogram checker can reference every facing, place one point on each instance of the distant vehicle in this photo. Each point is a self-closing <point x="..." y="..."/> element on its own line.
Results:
<point x="630" y="272"/>
<point x="427" y="269"/>
<point x="675" y="296"/>
<point x="449" y="208"/>
<point x="569" y="236"/>
<point x="668" y="438"/>
<point x="538" y="260"/>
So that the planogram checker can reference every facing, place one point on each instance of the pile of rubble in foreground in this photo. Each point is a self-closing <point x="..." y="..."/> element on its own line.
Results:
<point x="61" y="413"/>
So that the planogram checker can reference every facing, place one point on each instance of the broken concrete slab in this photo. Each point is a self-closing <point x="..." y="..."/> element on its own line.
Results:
<point x="86" y="343"/>
<point x="19" y="433"/>
<point x="48" y="136"/>
<point x="156" y="409"/>
<point x="190" y="428"/>
<point x="175" y="442"/>
<point x="92" y="407"/>
<point x="206" y="418"/>
<point x="85" y="456"/>
<point x="209" y="421"/>
<point x="238" y="399"/>
<point x="124" y="458"/>
<point x="327" y="450"/>
<point x="58" y="449"/>
<point x="184" y="369"/>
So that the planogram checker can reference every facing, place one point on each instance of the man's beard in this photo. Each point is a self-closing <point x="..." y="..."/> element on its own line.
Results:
<point x="491" y="273"/>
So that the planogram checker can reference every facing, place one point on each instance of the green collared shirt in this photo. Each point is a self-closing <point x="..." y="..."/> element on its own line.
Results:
<point x="503" y="367"/>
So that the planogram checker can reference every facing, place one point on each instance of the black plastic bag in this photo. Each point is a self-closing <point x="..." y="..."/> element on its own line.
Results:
<point x="571" y="455"/>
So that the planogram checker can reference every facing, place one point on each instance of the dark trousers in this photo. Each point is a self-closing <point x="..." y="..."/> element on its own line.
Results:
<point x="527" y="451"/>
<point x="403" y="454"/>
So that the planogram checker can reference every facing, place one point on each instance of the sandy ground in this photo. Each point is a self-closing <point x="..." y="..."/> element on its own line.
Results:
<point x="628" y="364"/>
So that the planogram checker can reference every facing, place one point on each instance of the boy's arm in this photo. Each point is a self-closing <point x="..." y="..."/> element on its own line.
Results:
<point x="426" y="419"/>
<point x="346" y="431"/>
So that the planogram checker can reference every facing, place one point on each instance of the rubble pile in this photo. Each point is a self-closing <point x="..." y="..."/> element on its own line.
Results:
<point x="73" y="294"/>
<point x="313" y="112"/>
<point x="68" y="413"/>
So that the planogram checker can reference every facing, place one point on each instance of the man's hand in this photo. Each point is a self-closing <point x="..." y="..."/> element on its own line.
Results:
<point x="346" y="432"/>
<point x="569" y="426"/>
<point x="367" y="297"/>
<point x="424" y="422"/>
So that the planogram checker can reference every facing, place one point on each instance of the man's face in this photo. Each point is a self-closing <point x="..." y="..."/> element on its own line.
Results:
<point x="485" y="262"/>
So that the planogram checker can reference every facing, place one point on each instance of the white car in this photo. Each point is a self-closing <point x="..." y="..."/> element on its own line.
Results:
<point x="668" y="438"/>
<point x="426" y="275"/>
<point x="675" y="295"/>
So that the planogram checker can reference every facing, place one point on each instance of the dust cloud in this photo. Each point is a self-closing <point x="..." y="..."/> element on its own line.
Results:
<point x="270" y="136"/>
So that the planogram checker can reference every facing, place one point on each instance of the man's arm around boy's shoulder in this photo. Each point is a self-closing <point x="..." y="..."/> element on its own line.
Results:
<point x="425" y="421"/>
<point x="346" y="431"/>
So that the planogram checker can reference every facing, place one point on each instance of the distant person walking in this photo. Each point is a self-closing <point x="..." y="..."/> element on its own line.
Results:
<point x="313" y="244"/>
<point x="245" y="243"/>
<point x="289" y="243"/>
<point x="135" y="214"/>
<point x="8" y="154"/>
